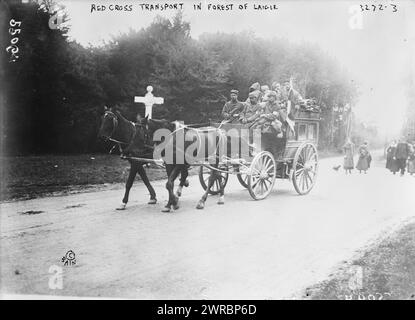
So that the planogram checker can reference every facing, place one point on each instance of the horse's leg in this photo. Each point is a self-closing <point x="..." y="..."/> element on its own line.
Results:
<point x="183" y="180"/>
<point x="174" y="172"/>
<point x="129" y="184"/>
<point x="201" y="203"/>
<point x="169" y="168"/>
<point x="173" y="176"/>
<point x="221" y="199"/>
<point x="143" y="174"/>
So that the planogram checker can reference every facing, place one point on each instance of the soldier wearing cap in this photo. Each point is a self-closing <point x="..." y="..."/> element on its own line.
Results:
<point x="256" y="88"/>
<point x="232" y="109"/>
<point x="270" y="116"/>
<point x="252" y="108"/>
<point x="265" y="90"/>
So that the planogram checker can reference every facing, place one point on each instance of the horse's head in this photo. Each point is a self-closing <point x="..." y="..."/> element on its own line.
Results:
<point x="109" y="123"/>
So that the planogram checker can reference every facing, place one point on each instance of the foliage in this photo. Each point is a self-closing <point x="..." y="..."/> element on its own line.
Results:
<point x="57" y="89"/>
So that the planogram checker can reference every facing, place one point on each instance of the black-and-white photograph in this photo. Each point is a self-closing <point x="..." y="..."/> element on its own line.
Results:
<point x="207" y="150"/>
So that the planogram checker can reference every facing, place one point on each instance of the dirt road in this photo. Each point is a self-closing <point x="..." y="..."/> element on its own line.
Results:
<point x="267" y="249"/>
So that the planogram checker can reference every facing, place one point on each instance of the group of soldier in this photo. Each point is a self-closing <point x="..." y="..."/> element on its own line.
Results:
<point x="270" y="110"/>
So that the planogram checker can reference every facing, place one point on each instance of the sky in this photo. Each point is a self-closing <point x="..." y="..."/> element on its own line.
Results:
<point x="377" y="48"/>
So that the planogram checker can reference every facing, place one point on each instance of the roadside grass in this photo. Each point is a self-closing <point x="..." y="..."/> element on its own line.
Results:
<point x="387" y="270"/>
<point x="34" y="176"/>
<point x="28" y="177"/>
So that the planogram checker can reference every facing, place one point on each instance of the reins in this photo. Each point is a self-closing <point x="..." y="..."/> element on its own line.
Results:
<point x="115" y="126"/>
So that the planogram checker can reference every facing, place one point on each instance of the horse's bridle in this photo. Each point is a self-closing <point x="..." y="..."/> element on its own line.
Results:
<point x="114" y="118"/>
<point x="147" y="140"/>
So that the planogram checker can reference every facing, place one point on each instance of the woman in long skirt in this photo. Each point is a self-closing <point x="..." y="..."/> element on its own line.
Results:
<point x="348" y="163"/>
<point x="364" y="156"/>
<point x="390" y="162"/>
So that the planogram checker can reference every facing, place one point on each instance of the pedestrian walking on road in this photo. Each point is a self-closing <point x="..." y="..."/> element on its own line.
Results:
<point x="348" y="163"/>
<point x="365" y="158"/>
<point x="402" y="154"/>
<point x="390" y="162"/>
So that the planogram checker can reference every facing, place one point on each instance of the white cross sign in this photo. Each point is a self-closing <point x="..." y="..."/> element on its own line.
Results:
<point x="149" y="100"/>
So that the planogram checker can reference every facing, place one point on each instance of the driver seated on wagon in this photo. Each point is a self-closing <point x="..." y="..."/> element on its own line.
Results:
<point x="232" y="109"/>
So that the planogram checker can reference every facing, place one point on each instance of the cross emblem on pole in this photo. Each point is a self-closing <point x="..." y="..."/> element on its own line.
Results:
<point x="149" y="100"/>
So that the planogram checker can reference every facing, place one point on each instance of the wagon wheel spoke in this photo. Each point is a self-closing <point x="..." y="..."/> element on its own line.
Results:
<point x="298" y="172"/>
<point x="261" y="186"/>
<point x="306" y="176"/>
<point x="267" y="163"/>
<point x="300" y="164"/>
<point x="311" y="156"/>
<point x="270" y="167"/>
<point x="266" y="187"/>
<point x="304" y="180"/>
<point x="310" y="179"/>
<point x="301" y="158"/>
<point x="266" y="181"/>
<point x="306" y="152"/>
<point x="255" y="183"/>
<point x="257" y="186"/>
<point x="261" y="162"/>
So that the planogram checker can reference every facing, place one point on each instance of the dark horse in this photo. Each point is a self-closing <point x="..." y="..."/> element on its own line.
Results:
<point x="173" y="165"/>
<point x="115" y="128"/>
<point x="173" y="169"/>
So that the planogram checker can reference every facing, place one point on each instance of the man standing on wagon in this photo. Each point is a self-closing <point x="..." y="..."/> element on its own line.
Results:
<point x="292" y="97"/>
<point x="233" y="109"/>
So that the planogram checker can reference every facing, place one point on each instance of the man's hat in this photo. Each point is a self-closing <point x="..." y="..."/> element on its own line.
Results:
<point x="254" y="94"/>
<point x="255" y="86"/>
<point x="272" y="94"/>
<point x="234" y="91"/>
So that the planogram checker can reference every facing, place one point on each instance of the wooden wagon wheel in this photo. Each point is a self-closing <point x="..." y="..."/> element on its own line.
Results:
<point x="304" y="169"/>
<point x="204" y="174"/>
<point x="262" y="175"/>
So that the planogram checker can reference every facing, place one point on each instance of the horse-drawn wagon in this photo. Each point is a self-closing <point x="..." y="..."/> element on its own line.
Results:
<point x="293" y="157"/>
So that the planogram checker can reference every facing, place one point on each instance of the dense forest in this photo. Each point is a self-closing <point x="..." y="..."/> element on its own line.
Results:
<point x="56" y="89"/>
